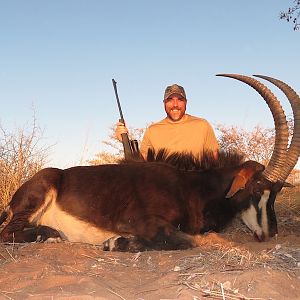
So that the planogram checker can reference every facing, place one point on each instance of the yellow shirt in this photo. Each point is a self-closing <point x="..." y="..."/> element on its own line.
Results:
<point x="190" y="134"/>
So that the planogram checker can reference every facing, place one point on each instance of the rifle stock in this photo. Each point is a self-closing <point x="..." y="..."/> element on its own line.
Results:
<point x="128" y="153"/>
<point x="131" y="148"/>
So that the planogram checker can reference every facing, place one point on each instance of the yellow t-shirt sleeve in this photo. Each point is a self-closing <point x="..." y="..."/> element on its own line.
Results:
<point x="145" y="144"/>
<point x="211" y="142"/>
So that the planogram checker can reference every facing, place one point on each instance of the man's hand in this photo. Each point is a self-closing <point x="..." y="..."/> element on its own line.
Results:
<point x="120" y="128"/>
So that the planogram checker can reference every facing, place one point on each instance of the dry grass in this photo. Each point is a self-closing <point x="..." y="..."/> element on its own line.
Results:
<point x="219" y="255"/>
<point x="288" y="210"/>
<point x="21" y="156"/>
<point x="199" y="273"/>
<point x="193" y="270"/>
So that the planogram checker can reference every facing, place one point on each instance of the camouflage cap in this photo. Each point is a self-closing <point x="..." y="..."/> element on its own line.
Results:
<point x="174" y="89"/>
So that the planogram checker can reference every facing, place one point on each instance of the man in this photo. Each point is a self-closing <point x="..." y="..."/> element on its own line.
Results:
<point x="178" y="132"/>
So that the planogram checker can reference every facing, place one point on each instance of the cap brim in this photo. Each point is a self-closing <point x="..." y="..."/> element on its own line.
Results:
<point x="175" y="94"/>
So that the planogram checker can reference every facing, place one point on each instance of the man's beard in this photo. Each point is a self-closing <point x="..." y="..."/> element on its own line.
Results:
<point x="175" y="116"/>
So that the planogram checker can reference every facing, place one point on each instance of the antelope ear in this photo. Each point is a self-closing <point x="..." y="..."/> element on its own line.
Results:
<point x="239" y="183"/>
<point x="240" y="180"/>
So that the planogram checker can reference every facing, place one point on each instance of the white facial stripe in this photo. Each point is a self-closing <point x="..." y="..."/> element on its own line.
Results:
<point x="263" y="207"/>
<point x="249" y="217"/>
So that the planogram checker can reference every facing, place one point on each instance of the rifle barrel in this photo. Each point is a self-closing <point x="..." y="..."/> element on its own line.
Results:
<point x="118" y="101"/>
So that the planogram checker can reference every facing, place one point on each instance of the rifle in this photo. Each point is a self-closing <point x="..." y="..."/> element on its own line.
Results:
<point x="131" y="148"/>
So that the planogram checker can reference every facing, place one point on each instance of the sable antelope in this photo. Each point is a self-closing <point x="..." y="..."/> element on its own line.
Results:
<point x="156" y="205"/>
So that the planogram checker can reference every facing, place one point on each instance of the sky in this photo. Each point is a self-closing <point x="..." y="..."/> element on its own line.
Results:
<point x="58" y="59"/>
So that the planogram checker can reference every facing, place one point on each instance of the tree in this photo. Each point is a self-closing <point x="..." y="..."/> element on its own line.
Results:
<point x="115" y="152"/>
<point x="21" y="156"/>
<point x="255" y="145"/>
<point x="292" y="14"/>
<point x="104" y="157"/>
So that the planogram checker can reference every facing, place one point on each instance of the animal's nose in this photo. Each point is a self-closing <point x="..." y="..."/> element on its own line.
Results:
<point x="260" y="237"/>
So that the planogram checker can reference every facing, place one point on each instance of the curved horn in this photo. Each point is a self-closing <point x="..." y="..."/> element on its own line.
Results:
<point x="278" y="158"/>
<point x="294" y="149"/>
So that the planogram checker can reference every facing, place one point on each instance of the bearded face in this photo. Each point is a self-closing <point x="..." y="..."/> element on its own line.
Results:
<point x="175" y="107"/>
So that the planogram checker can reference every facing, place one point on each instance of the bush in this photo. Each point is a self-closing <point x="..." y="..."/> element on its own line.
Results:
<point x="21" y="156"/>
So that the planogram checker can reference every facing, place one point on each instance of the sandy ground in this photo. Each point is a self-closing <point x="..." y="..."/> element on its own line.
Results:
<point x="218" y="269"/>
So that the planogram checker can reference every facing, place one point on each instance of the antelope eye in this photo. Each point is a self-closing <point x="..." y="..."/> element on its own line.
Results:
<point x="257" y="194"/>
<point x="257" y="191"/>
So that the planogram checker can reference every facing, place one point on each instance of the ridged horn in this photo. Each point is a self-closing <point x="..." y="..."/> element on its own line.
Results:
<point x="278" y="158"/>
<point x="294" y="148"/>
